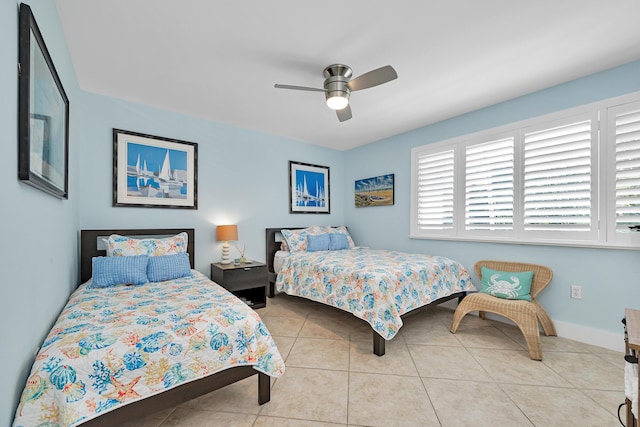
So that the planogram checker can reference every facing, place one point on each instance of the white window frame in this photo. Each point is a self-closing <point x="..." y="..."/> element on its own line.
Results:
<point x="602" y="231"/>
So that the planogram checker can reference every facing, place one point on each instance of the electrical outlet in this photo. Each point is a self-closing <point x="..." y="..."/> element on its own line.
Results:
<point x="576" y="292"/>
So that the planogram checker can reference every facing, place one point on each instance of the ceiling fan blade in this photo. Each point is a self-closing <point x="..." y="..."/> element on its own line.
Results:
<point x="311" y="89"/>
<point x="344" y="114"/>
<point x="373" y="78"/>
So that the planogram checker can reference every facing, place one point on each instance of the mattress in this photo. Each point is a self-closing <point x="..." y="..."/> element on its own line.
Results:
<point x="279" y="259"/>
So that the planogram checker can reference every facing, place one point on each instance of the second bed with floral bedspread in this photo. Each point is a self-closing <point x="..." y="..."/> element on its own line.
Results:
<point x="377" y="286"/>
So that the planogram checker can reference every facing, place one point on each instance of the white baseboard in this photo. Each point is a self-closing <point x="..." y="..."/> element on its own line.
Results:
<point x="572" y="331"/>
<point x="592" y="336"/>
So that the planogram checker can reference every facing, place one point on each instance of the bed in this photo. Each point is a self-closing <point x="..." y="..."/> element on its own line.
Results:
<point x="121" y="352"/>
<point x="377" y="286"/>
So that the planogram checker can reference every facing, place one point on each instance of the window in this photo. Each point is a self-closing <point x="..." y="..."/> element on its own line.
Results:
<point x="489" y="185"/>
<point x="550" y="180"/>
<point x="558" y="195"/>
<point x="624" y="201"/>
<point x="435" y="183"/>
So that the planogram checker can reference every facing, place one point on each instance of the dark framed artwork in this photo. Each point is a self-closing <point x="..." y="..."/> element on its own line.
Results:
<point x="152" y="171"/>
<point x="308" y="188"/>
<point x="43" y="114"/>
<point x="376" y="191"/>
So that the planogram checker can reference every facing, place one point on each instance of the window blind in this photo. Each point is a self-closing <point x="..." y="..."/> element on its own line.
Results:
<point x="627" y="139"/>
<point x="489" y="185"/>
<point x="557" y="178"/>
<point x="570" y="178"/>
<point x="435" y="190"/>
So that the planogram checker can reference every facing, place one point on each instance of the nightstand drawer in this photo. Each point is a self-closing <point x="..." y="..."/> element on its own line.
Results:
<point x="245" y="278"/>
<point x="246" y="281"/>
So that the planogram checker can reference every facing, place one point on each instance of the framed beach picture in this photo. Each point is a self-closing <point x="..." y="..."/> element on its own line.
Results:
<point x="308" y="188"/>
<point x="43" y="114"/>
<point x="376" y="191"/>
<point x="152" y="171"/>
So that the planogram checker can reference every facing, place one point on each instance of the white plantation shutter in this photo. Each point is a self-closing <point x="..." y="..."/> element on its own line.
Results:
<point x="571" y="178"/>
<point x="435" y="181"/>
<point x="557" y="178"/>
<point x="489" y="185"/>
<point x="627" y="166"/>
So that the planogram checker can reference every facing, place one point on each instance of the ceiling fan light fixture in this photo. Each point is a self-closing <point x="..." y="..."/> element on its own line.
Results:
<point x="338" y="86"/>
<point x="337" y="101"/>
<point x="337" y="92"/>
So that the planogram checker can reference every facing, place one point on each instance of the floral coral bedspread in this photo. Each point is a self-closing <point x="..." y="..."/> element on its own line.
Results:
<point x="113" y="346"/>
<point x="377" y="286"/>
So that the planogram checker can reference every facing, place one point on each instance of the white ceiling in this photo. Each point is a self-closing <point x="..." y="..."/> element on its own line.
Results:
<point x="220" y="59"/>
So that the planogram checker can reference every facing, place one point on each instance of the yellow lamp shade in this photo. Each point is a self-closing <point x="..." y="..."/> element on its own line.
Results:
<point x="226" y="232"/>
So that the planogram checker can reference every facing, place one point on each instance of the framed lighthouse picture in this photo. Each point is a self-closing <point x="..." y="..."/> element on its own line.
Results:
<point x="152" y="171"/>
<point x="308" y="188"/>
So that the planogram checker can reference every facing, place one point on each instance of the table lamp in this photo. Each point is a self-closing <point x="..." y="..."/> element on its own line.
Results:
<point x="225" y="233"/>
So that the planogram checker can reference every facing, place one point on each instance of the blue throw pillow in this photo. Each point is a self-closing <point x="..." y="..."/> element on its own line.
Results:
<point x="338" y="241"/>
<point x="168" y="267"/>
<point x="507" y="284"/>
<point x="122" y="270"/>
<point x="318" y="243"/>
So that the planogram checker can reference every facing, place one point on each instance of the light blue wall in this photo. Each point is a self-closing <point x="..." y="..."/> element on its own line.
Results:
<point x="242" y="177"/>
<point x="610" y="278"/>
<point x="39" y="256"/>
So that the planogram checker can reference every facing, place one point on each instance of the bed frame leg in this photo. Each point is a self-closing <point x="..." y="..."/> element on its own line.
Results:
<point x="264" y="388"/>
<point x="271" y="289"/>
<point x="378" y="344"/>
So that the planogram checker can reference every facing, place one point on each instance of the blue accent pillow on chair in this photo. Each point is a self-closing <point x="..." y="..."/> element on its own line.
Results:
<point x="507" y="284"/>
<point x="168" y="267"/>
<point x="122" y="270"/>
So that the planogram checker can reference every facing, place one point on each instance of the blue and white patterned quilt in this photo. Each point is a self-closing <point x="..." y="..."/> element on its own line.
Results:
<point x="377" y="286"/>
<point x="116" y="345"/>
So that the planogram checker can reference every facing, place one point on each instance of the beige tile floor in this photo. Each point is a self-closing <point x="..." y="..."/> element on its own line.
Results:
<point x="480" y="376"/>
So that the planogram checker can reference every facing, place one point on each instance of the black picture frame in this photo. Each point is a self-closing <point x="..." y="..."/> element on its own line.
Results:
<point x="375" y="191"/>
<point x="309" y="188"/>
<point x="154" y="172"/>
<point x="43" y="113"/>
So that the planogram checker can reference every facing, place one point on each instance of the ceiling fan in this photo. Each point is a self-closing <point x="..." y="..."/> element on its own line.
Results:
<point x="338" y="85"/>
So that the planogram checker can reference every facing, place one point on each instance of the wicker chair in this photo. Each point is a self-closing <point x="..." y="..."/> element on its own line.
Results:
<point x="524" y="314"/>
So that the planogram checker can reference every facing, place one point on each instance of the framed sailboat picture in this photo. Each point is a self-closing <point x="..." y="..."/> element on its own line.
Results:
<point x="308" y="188"/>
<point x="377" y="191"/>
<point x="43" y="114"/>
<point x="151" y="171"/>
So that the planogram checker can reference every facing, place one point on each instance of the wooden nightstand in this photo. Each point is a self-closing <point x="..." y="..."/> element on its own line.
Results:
<point x="246" y="281"/>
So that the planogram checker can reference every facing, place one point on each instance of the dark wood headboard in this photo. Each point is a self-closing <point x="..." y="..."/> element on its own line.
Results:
<point x="91" y="244"/>
<point x="273" y="240"/>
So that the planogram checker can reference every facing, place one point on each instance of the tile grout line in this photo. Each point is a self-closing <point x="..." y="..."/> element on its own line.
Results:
<point x="424" y="386"/>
